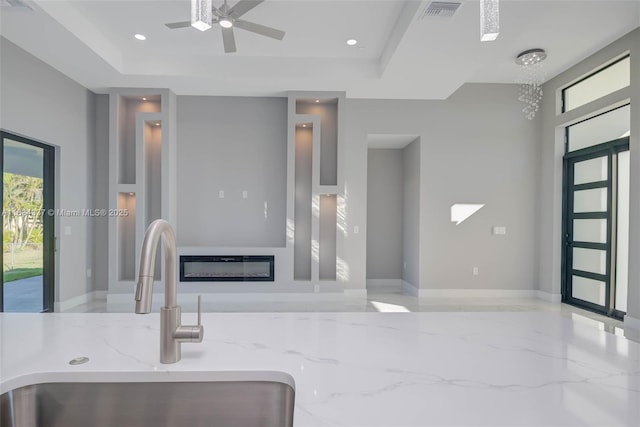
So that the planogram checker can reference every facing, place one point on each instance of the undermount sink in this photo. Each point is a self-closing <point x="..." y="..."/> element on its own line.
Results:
<point x="243" y="403"/>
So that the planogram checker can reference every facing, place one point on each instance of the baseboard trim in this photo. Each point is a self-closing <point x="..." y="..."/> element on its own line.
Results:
<point x="355" y="293"/>
<point x="80" y="299"/>
<point x="190" y="298"/>
<point x="409" y="289"/>
<point x="631" y="322"/>
<point x="384" y="284"/>
<point x="476" y="293"/>
<point x="549" y="297"/>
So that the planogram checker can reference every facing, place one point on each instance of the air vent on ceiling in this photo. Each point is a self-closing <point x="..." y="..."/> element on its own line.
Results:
<point x="440" y="9"/>
<point x="15" y="4"/>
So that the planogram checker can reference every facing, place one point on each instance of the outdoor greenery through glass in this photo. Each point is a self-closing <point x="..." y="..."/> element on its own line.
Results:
<point x="22" y="227"/>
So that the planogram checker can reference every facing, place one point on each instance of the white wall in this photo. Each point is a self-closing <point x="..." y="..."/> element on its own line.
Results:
<point x="385" y="202"/>
<point x="411" y="214"/>
<point x="476" y="147"/>
<point x="232" y="144"/>
<point x="43" y="104"/>
<point x="100" y="169"/>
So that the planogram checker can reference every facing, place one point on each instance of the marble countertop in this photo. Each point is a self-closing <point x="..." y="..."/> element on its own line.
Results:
<point x="359" y="369"/>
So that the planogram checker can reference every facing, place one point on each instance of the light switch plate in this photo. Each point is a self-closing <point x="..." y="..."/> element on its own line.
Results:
<point x="221" y="194"/>
<point x="499" y="231"/>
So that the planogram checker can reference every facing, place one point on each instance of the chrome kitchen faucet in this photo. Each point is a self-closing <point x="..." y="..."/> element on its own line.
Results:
<point x="172" y="333"/>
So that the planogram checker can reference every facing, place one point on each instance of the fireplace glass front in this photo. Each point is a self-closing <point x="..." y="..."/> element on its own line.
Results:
<point x="242" y="268"/>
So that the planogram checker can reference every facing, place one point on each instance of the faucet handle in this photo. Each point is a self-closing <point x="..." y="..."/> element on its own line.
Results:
<point x="199" y="310"/>
<point x="195" y="333"/>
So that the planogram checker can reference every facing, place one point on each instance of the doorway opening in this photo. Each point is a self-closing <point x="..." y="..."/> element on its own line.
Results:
<point x="596" y="214"/>
<point x="27" y="225"/>
<point x="393" y="213"/>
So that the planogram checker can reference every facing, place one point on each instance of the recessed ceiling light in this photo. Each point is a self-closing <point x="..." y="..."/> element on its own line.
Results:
<point x="144" y="99"/>
<point x="225" y="23"/>
<point x="352" y="42"/>
<point x="157" y="124"/>
<point x="140" y="36"/>
<point x="317" y="100"/>
<point x="132" y="194"/>
<point x="304" y="126"/>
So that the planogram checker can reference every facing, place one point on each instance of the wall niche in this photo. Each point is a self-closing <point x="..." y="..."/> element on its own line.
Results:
<point x="315" y="126"/>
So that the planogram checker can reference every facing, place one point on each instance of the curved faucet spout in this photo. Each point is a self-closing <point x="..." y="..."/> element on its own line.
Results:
<point x="144" y="289"/>
<point x="172" y="332"/>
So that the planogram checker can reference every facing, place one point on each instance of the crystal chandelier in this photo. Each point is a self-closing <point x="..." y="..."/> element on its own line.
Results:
<point x="531" y="79"/>
<point x="201" y="11"/>
<point x="489" y="20"/>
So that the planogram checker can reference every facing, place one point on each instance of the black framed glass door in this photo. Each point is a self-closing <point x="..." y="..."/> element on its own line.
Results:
<point x="590" y="226"/>
<point x="27" y="227"/>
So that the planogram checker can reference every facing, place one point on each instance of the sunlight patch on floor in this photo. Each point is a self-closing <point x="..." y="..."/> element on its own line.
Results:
<point x="384" y="307"/>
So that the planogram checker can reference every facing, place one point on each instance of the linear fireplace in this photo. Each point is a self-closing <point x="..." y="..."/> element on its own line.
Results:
<point x="235" y="268"/>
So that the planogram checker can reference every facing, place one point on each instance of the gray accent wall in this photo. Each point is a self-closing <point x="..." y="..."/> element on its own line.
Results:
<point x="40" y="103"/>
<point x="100" y="167"/>
<point x="385" y="201"/>
<point x="231" y="144"/>
<point x="302" y="204"/>
<point x="328" y="114"/>
<point x="475" y="147"/>
<point x="411" y="214"/>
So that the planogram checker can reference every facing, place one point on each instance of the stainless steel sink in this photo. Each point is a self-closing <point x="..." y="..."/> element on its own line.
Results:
<point x="243" y="403"/>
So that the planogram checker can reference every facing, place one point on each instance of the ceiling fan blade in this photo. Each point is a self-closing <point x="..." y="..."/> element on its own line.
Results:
<point x="243" y="6"/>
<point x="216" y="11"/>
<point x="259" y="29"/>
<point x="183" y="24"/>
<point x="229" y="40"/>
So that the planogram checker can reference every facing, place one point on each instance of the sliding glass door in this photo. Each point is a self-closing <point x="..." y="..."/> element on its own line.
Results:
<point x="27" y="228"/>
<point x="596" y="227"/>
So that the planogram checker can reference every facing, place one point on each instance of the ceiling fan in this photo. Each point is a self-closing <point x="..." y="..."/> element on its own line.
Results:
<point x="228" y="18"/>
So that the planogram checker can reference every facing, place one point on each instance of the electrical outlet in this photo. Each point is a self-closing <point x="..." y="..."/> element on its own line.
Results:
<point x="356" y="229"/>
<point x="316" y="288"/>
<point x="221" y="194"/>
<point x="245" y="194"/>
<point x="476" y="271"/>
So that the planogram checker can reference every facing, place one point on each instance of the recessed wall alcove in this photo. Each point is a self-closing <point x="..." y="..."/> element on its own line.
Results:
<point x="393" y="206"/>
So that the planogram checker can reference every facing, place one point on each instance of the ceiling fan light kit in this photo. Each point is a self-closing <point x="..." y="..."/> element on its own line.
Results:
<point x="204" y="15"/>
<point x="225" y="23"/>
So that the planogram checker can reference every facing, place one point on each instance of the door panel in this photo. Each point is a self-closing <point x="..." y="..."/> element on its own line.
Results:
<point x="588" y="230"/>
<point x="590" y="260"/>
<point x="592" y="291"/>
<point x="596" y="202"/>
<point x="592" y="170"/>
<point x="592" y="200"/>
<point x="622" y="232"/>
<point x="27" y="255"/>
